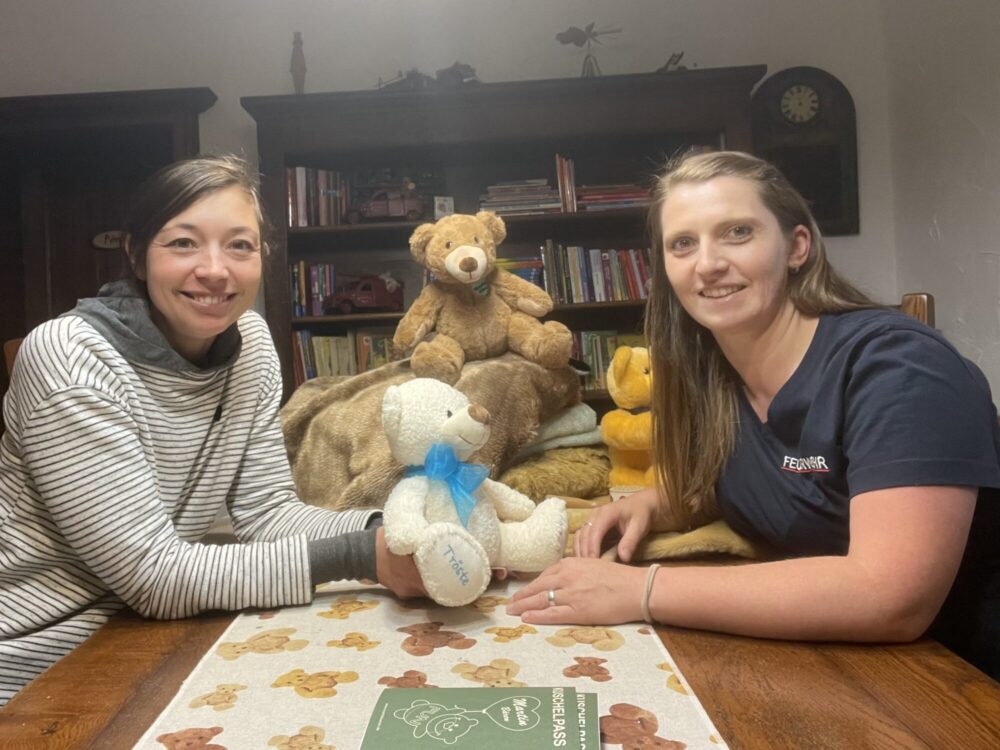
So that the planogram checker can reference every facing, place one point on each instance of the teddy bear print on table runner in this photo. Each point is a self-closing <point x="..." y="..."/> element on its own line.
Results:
<point x="411" y="678"/>
<point x="673" y="682"/>
<point x="223" y="697"/>
<point x="427" y="636"/>
<point x="354" y="640"/>
<point x="588" y="666"/>
<point x="634" y="728"/>
<point x="603" y="639"/>
<point x="195" y="738"/>
<point x="344" y="606"/>
<point x="487" y="604"/>
<point x="506" y="635"/>
<point x="308" y="738"/>
<point x="266" y="642"/>
<point x="315" y="685"/>
<point x="499" y="673"/>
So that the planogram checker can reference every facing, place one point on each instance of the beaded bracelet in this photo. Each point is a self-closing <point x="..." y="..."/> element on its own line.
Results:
<point x="649" y="590"/>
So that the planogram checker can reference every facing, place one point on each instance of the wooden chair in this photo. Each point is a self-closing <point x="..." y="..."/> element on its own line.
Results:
<point x="919" y="305"/>
<point x="10" y="354"/>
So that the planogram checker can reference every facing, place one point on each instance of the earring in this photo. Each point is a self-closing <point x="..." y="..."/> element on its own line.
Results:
<point x="793" y="270"/>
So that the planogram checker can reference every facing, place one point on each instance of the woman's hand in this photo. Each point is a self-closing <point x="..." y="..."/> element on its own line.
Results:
<point x="631" y="516"/>
<point x="587" y="592"/>
<point x="398" y="573"/>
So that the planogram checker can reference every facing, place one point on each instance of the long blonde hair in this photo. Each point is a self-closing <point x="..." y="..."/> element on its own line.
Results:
<point x="694" y="386"/>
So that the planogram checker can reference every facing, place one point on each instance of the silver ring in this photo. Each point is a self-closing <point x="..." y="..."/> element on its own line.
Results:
<point x="552" y="597"/>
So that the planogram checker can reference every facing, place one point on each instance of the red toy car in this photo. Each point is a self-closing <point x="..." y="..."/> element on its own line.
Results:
<point x="389" y="204"/>
<point x="369" y="293"/>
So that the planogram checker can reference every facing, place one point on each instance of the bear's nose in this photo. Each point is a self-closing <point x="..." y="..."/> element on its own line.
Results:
<point x="468" y="264"/>
<point x="479" y="413"/>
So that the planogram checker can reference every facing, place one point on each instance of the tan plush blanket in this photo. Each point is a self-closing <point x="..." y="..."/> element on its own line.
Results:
<point x="333" y="427"/>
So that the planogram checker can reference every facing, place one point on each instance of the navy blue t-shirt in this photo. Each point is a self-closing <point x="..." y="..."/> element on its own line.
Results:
<point x="879" y="400"/>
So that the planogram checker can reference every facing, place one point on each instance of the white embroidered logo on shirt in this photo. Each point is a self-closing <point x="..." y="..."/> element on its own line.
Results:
<point x="805" y="465"/>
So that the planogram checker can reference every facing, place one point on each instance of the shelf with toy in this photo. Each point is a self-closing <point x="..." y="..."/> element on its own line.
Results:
<point x="352" y="319"/>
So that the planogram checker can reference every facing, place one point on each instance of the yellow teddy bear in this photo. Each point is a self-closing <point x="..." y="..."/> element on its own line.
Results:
<point x="628" y="430"/>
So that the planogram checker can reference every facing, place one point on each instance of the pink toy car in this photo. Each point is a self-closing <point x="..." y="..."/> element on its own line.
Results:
<point x="389" y="204"/>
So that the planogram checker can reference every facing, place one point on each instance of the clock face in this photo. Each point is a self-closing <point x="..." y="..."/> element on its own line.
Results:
<point x="799" y="103"/>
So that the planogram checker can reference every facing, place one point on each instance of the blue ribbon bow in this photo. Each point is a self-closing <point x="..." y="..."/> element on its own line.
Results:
<point x="462" y="479"/>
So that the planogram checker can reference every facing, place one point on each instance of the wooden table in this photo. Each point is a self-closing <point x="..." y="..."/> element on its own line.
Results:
<point x="760" y="694"/>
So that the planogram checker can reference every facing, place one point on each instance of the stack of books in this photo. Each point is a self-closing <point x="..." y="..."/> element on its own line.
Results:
<point x="597" y="349"/>
<point x="359" y="351"/>
<point x="526" y="718"/>
<point x="574" y="274"/>
<point x="316" y="197"/>
<point x="521" y="197"/>
<point x="605" y="197"/>
<point x="311" y="283"/>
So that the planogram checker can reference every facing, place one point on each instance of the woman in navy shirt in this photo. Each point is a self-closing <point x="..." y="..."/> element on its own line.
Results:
<point x="854" y="443"/>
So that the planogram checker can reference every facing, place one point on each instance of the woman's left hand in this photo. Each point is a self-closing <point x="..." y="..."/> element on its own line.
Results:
<point x="588" y="591"/>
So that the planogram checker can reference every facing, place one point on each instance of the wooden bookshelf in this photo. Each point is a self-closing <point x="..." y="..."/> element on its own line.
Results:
<point x="614" y="128"/>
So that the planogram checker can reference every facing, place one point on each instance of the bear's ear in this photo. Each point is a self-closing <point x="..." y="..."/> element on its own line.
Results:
<point x="418" y="241"/>
<point x="392" y="410"/>
<point x="495" y="224"/>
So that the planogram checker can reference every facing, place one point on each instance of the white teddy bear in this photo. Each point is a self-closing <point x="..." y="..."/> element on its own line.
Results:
<point x="456" y="522"/>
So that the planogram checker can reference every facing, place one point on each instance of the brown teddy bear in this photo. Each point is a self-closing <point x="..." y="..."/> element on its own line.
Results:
<point x="634" y="728"/>
<point x="195" y="738"/>
<point x="588" y="666"/>
<point x="266" y="642"/>
<point x="427" y="636"/>
<point x="411" y="678"/>
<point x="307" y="738"/>
<point x="477" y="310"/>
<point x="503" y="634"/>
<point x="315" y="685"/>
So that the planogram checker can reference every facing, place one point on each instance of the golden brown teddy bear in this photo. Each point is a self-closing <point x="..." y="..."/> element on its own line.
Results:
<point x="315" y="685"/>
<point x="195" y="738"/>
<point x="498" y="673"/>
<point x="628" y="430"/>
<point x="603" y="639"/>
<point x="427" y="636"/>
<point x="354" y="640"/>
<point x="307" y="738"/>
<point x="477" y="310"/>
<point x="344" y="606"/>
<point x="223" y="697"/>
<point x="486" y="604"/>
<point x="266" y="642"/>
<point x="507" y="634"/>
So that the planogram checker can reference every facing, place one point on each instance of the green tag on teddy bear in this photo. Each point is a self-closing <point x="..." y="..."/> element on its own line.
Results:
<point x="482" y="288"/>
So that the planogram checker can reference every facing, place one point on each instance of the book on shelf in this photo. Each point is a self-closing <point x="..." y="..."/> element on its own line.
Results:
<point x="316" y="197"/>
<point x="573" y="274"/>
<point x="528" y="718"/>
<point x="521" y="198"/>
<point x="310" y="284"/>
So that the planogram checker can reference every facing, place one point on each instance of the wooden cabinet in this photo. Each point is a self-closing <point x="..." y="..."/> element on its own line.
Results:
<point x="615" y="128"/>
<point x="68" y="167"/>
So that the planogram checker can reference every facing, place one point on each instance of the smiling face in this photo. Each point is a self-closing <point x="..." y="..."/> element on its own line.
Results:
<point x="726" y="256"/>
<point x="202" y="270"/>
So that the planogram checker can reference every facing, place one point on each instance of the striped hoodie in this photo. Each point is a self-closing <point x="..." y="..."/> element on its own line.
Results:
<point x="117" y="457"/>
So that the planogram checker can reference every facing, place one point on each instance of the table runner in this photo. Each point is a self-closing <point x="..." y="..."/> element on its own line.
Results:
<point x="309" y="676"/>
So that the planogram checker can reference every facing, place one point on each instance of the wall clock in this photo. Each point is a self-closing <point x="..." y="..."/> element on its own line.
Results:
<point x="804" y="122"/>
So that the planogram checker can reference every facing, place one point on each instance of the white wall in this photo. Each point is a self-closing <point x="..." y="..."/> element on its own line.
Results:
<point x="944" y="62"/>
<point x="242" y="48"/>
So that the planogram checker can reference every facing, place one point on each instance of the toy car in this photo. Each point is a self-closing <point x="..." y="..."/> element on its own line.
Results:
<point x="370" y="293"/>
<point x="388" y="204"/>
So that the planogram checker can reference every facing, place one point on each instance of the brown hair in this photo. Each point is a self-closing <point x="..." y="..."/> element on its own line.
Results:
<point x="694" y="386"/>
<point x="176" y="187"/>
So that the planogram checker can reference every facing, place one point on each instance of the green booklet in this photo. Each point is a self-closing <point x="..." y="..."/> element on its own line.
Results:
<point x="527" y="718"/>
